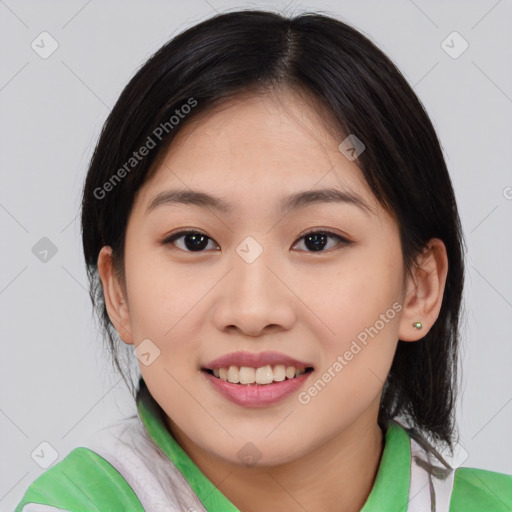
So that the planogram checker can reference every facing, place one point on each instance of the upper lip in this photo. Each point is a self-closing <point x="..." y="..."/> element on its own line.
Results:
<point x="255" y="360"/>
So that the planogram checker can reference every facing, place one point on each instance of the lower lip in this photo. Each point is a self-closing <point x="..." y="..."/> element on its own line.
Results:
<point x="253" y="395"/>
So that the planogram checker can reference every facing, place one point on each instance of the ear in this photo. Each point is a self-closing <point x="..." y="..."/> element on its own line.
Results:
<point x="115" y="303"/>
<point x="424" y="291"/>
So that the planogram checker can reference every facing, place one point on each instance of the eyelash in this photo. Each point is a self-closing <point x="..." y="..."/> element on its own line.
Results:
<point x="341" y="240"/>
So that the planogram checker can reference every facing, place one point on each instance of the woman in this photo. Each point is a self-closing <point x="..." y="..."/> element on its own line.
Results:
<point x="268" y="220"/>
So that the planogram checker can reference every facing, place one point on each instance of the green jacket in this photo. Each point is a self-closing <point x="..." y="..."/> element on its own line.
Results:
<point x="136" y="465"/>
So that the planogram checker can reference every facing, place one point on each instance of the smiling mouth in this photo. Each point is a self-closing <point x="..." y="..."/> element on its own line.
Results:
<point x="262" y="376"/>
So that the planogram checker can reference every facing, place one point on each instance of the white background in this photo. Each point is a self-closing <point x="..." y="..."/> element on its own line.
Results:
<point x="55" y="383"/>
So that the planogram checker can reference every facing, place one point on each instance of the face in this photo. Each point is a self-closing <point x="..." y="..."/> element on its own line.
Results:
<point x="263" y="282"/>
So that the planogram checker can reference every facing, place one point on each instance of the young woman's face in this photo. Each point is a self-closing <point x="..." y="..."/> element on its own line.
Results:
<point x="253" y="281"/>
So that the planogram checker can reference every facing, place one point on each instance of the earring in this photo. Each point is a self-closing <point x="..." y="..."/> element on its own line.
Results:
<point x="123" y="301"/>
<point x="417" y="325"/>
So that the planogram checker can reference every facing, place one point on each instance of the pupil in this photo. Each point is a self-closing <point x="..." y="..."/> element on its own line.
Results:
<point x="316" y="244"/>
<point x="198" y="242"/>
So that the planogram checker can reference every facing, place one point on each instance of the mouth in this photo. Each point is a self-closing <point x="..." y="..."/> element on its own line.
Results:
<point x="261" y="379"/>
<point x="261" y="376"/>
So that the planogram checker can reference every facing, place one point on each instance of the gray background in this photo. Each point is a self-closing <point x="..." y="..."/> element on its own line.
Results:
<point x="56" y="385"/>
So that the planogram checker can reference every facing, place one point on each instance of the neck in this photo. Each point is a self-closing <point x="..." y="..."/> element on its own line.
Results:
<point x="336" y="476"/>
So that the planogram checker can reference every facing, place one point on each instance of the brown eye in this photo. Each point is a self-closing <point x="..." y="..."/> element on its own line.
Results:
<point x="316" y="241"/>
<point x="193" y="241"/>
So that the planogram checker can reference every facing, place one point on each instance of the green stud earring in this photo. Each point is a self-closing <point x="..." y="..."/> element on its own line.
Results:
<point x="417" y="325"/>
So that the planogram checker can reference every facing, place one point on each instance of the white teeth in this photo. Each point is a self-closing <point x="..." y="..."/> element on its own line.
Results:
<point x="263" y="375"/>
<point x="233" y="375"/>
<point x="247" y="375"/>
<point x="279" y="372"/>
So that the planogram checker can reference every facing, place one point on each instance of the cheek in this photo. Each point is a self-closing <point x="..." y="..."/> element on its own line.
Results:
<point x="361" y="311"/>
<point x="355" y="296"/>
<point x="161" y="301"/>
<point x="158" y="290"/>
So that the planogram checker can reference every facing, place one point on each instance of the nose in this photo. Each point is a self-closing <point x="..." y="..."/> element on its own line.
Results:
<point x="255" y="298"/>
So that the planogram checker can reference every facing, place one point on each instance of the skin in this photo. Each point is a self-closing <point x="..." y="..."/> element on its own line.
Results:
<point x="197" y="306"/>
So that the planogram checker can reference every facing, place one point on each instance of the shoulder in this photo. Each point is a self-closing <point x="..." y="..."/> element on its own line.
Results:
<point x="117" y="468"/>
<point x="81" y="482"/>
<point x="475" y="490"/>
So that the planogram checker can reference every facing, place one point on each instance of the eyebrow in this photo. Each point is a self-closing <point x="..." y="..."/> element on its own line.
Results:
<point x="294" y="201"/>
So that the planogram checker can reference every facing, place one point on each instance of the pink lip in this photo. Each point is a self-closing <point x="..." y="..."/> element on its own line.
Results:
<point x="255" y="395"/>
<point x="252" y="360"/>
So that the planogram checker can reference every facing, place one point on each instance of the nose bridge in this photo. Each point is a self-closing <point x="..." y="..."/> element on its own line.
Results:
<point x="252" y="275"/>
<point x="254" y="298"/>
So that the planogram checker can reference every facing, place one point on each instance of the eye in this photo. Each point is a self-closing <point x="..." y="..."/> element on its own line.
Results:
<point x="196" y="241"/>
<point x="317" y="240"/>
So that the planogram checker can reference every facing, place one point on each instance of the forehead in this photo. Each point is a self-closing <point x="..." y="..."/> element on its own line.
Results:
<point x="281" y="126"/>
<point x="258" y="147"/>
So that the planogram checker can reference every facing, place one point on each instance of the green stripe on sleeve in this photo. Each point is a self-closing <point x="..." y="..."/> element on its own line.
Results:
<point x="82" y="482"/>
<point x="478" y="490"/>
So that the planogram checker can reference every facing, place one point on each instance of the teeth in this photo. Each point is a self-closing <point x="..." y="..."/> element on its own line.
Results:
<point x="234" y="374"/>
<point x="247" y="375"/>
<point x="279" y="372"/>
<point x="263" y="375"/>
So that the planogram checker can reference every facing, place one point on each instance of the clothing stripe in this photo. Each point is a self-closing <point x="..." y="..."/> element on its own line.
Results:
<point x="420" y="499"/>
<point x="431" y="486"/>
<point x="38" y="507"/>
<point x="155" y="480"/>
<point x="82" y="482"/>
<point x="152" y="416"/>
